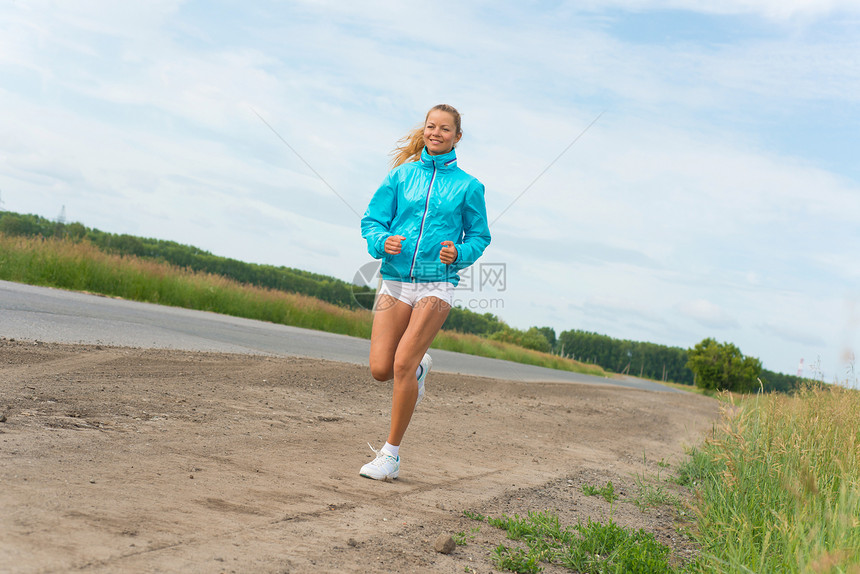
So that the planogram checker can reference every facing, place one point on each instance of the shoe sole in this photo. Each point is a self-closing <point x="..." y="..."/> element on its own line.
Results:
<point x="384" y="478"/>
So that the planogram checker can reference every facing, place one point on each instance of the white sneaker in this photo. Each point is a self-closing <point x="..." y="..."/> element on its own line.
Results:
<point x="426" y="365"/>
<point x="383" y="467"/>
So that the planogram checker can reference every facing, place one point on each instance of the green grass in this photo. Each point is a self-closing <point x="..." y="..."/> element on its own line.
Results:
<point x="588" y="547"/>
<point x="698" y="466"/>
<point x="607" y="491"/>
<point x="652" y="493"/>
<point x="779" y="485"/>
<point x="80" y="266"/>
<point x="463" y="538"/>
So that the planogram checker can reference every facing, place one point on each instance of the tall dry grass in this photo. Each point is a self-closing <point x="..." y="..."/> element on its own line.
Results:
<point x="781" y="491"/>
<point x="80" y="266"/>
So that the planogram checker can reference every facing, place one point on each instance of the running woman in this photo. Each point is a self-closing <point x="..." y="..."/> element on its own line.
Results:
<point x="427" y="221"/>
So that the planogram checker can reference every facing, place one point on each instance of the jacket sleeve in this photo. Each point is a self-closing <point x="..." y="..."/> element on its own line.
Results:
<point x="376" y="223"/>
<point x="476" y="231"/>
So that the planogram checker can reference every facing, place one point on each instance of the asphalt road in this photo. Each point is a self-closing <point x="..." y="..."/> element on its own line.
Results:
<point x="51" y="315"/>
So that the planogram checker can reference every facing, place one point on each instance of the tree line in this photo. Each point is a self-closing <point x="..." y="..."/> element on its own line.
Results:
<point x="709" y="364"/>
<point x="647" y="360"/>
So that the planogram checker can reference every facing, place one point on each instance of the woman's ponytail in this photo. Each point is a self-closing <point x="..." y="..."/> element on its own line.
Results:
<point x="409" y="147"/>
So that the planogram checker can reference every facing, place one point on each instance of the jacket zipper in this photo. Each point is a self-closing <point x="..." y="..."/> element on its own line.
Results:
<point x="423" y="218"/>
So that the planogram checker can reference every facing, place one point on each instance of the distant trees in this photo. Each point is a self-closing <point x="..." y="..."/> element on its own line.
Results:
<point x="780" y="382"/>
<point x="549" y="335"/>
<point x="27" y="225"/>
<point x="710" y="365"/>
<point x="490" y="326"/>
<point x="465" y="321"/>
<point x="533" y="338"/>
<point x="722" y="367"/>
<point x="647" y="360"/>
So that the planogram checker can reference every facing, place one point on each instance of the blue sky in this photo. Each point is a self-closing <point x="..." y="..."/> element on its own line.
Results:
<point x="718" y="194"/>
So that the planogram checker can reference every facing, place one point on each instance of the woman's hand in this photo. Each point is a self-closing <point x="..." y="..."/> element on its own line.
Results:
<point x="392" y="244"/>
<point x="448" y="253"/>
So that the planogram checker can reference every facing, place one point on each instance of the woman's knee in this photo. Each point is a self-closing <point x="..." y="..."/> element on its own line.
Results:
<point x="381" y="371"/>
<point x="404" y="367"/>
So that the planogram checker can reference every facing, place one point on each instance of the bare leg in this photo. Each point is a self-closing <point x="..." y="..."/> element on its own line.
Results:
<point x="426" y="319"/>
<point x="389" y="322"/>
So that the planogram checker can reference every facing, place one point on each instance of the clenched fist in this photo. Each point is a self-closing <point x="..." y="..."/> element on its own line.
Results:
<point x="448" y="253"/>
<point x="392" y="244"/>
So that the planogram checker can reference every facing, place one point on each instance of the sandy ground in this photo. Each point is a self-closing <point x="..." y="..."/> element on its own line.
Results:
<point x="134" y="460"/>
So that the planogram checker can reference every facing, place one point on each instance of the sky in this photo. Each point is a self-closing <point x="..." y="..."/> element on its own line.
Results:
<point x="655" y="170"/>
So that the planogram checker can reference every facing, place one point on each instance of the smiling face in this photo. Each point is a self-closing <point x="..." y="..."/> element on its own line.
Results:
<point x="440" y="132"/>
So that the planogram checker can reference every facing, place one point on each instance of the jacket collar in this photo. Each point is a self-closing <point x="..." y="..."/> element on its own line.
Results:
<point x="442" y="162"/>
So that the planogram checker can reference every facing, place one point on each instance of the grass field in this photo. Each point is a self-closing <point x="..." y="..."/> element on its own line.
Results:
<point x="779" y="485"/>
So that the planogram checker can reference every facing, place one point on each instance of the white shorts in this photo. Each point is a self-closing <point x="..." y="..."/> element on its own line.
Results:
<point x="411" y="293"/>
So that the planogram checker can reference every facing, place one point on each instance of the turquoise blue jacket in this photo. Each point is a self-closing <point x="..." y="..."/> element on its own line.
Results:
<point x="427" y="202"/>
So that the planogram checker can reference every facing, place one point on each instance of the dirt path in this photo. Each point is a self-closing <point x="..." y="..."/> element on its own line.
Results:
<point x="131" y="460"/>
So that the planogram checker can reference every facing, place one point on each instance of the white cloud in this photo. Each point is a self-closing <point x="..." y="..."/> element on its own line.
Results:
<point x="708" y="314"/>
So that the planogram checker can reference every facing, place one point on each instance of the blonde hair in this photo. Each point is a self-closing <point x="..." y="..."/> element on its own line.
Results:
<point x="409" y="146"/>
